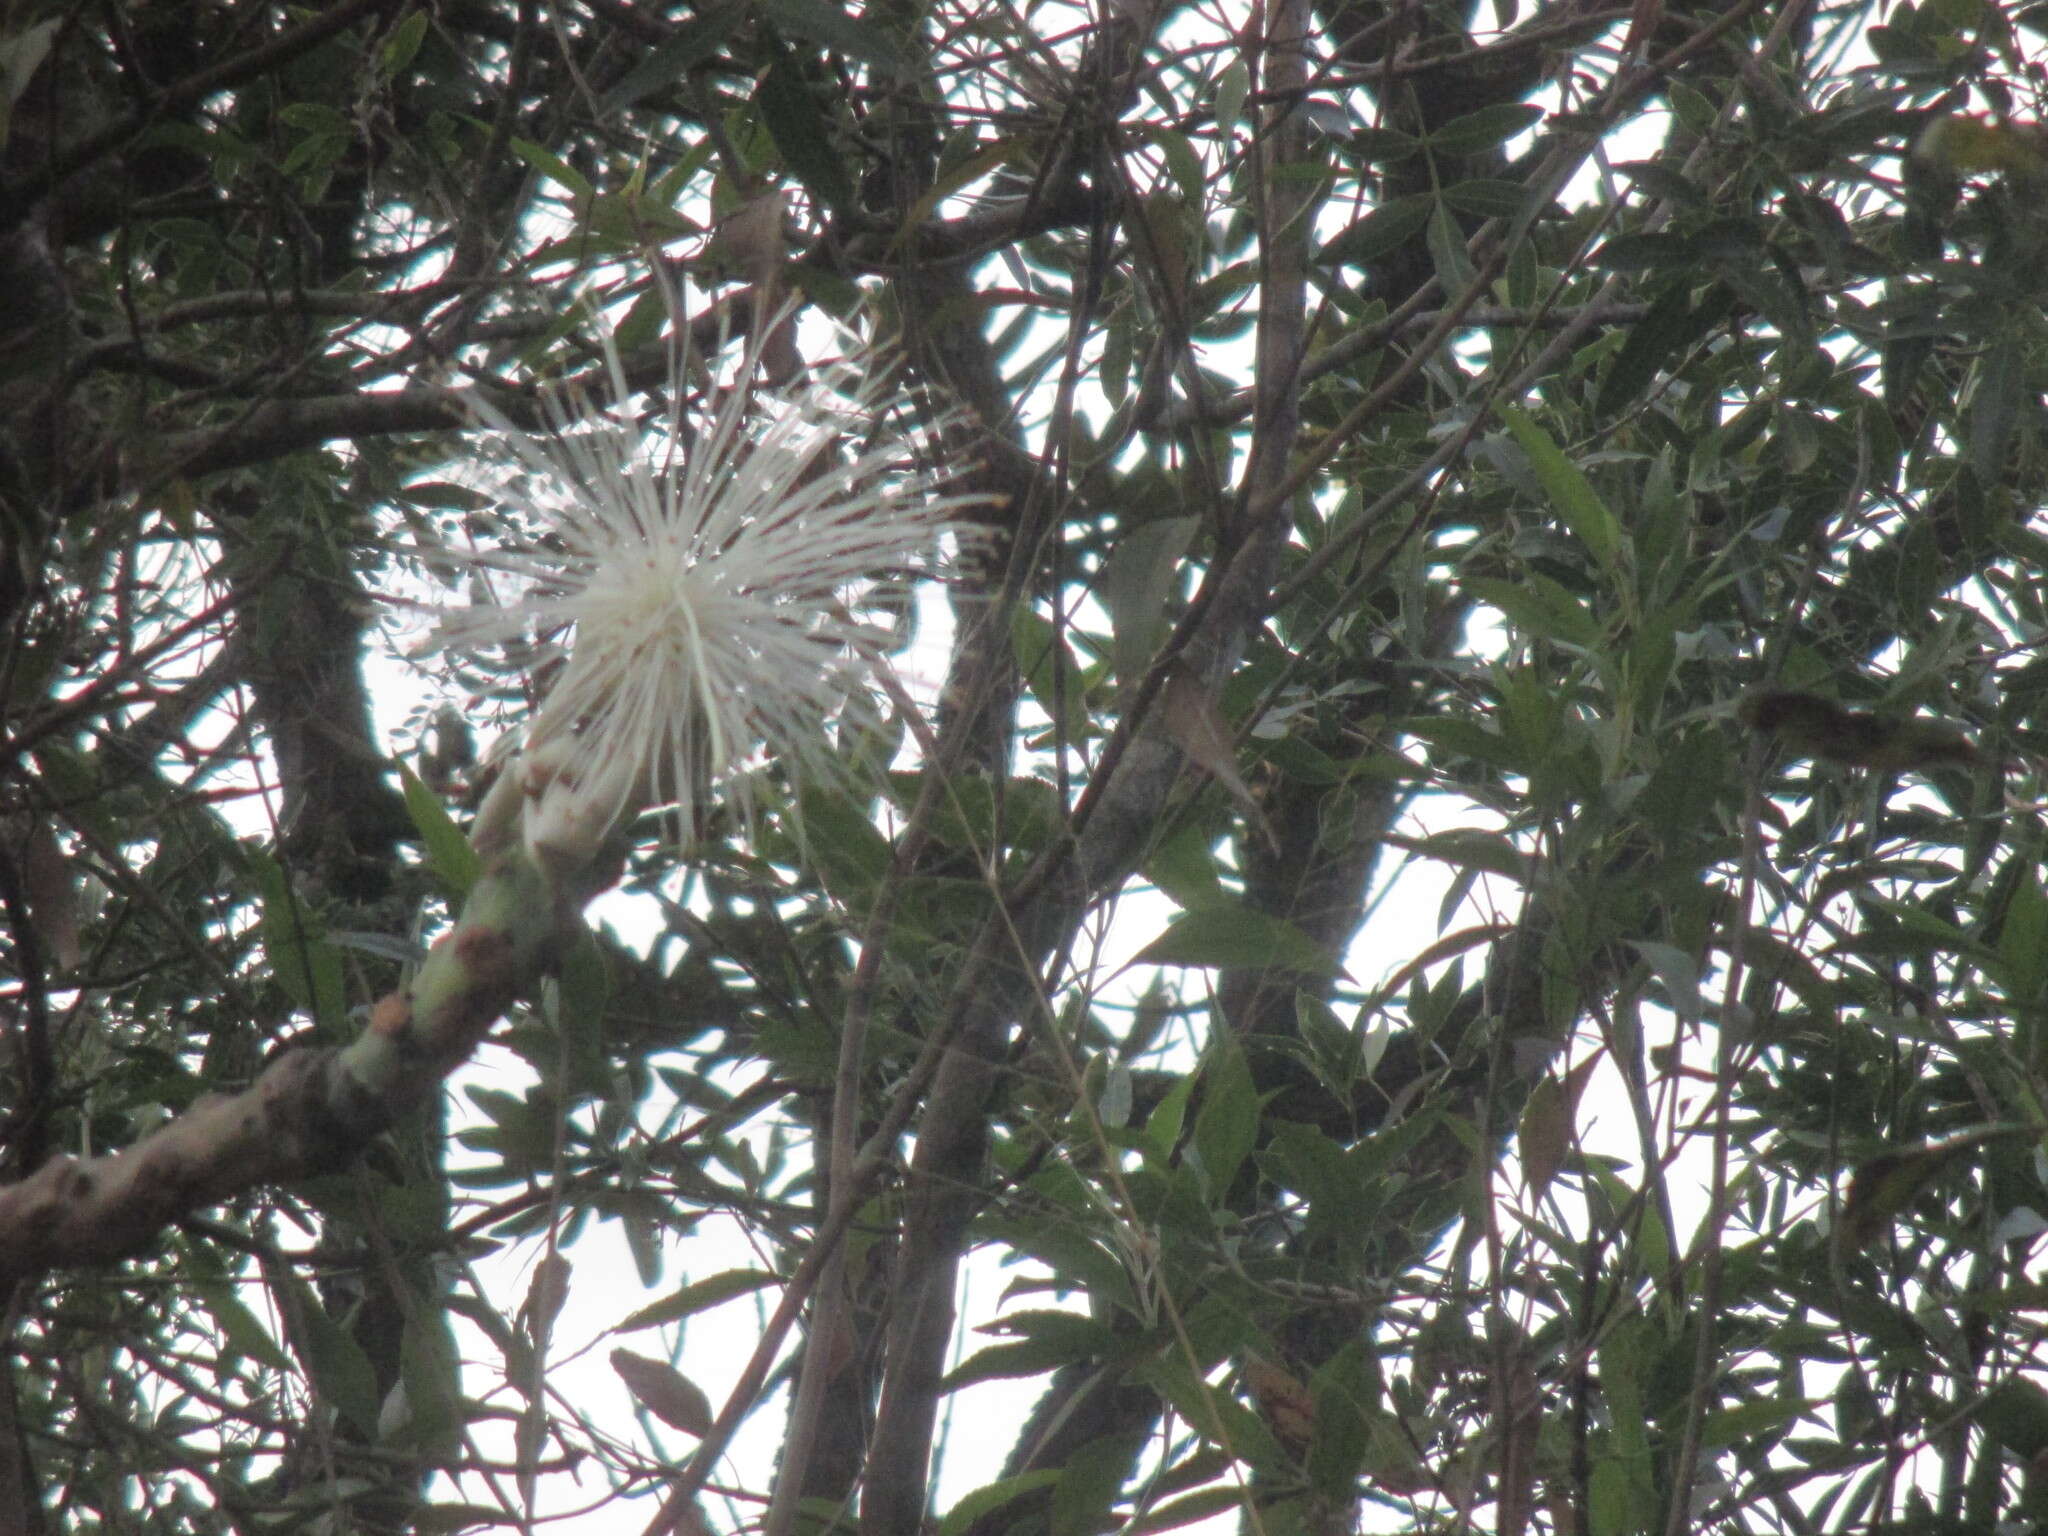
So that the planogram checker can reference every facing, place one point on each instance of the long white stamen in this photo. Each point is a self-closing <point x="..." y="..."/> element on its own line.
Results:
<point x="706" y="594"/>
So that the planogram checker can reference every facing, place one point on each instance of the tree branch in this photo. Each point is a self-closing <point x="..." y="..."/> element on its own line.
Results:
<point x="313" y="1108"/>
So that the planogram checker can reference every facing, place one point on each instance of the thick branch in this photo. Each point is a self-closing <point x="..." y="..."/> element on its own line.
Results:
<point x="312" y="1109"/>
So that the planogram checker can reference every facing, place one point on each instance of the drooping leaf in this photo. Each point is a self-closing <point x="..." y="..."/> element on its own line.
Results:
<point x="448" y="851"/>
<point x="1136" y="585"/>
<point x="334" y="1361"/>
<point x="1886" y="1185"/>
<point x="797" y="123"/>
<point x="664" y="1392"/>
<point x="1191" y="718"/>
<point x="1227" y="1124"/>
<point x="1571" y="494"/>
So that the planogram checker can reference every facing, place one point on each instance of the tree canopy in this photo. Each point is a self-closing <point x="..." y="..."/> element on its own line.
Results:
<point x="1452" y="891"/>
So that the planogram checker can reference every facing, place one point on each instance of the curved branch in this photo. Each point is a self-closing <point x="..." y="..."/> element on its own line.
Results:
<point x="312" y="1108"/>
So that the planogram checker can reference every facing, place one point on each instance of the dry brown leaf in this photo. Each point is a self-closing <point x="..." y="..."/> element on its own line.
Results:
<point x="1543" y="1140"/>
<point x="749" y="242"/>
<point x="52" y="894"/>
<point x="1198" y="729"/>
<point x="545" y="1295"/>
<point x="1544" y="1136"/>
<point x="1521" y="1404"/>
<point x="664" y="1392"/>
<point x="1283" y="1401"/>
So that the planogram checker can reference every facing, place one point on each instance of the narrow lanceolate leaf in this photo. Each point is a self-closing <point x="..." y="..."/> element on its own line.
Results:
<point x="1236" y="936"/>
<point x="1543" y="1140"/>
<point x="696" y="1297"/>
<point x="448" y="851"/>
<point x="1545" y="1134"/>
<point x="1571" y="494"/>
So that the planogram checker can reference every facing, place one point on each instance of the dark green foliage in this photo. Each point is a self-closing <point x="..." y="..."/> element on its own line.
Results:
<point x="1610" y="582"/>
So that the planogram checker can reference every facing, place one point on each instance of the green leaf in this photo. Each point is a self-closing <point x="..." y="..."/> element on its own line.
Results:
<point x="1184" y="868"/>
<point x="1049" y="669"/>
<point x="1607" y="1498"/>
<point x="1679" y="973"/>
<point x="1886" y="1186"/>
<point x="1446" y="242"/>
<point x="335" y="1363"/>
<point x="1312" y="1165"/>
<point x="448" y="852"/>
<point x="1756" y="1425"/>
<point x="1654" y="343"/>
<point x="1543" y="1137"/>
<point x="1664" y="182"/>
<point x="576" y="1004"/>
<point x="1087" y="1490"/>
<point x="1182" y="164"/>
<point x="2022" y="964"/>
<point x="428" y="1371"/>
<point x="1539" y="608"/>
<point x="698" y="1296"/>
<point x="831" y="28"/>
<point x="1236" y="938"/>
<point x="1995" y="405"/>
<point x="302" y="960"/>
<point x="2014" y="1415"/>
<point x="1632" y="253"/>
<point x="640" y="1214"/>
<point x="315" y="152"/>
<point x="1113" y="1103"/>
<point x="851" y="856"/>
<point x="434" y="1519"/>
<point x="1233" y="87"/>
<point x="238" y="1325"/>
<point x="444" y="493"/>
<point x="1487" y="197"/>
<point x="1227" y="1124"/>
<point x="993" y="1496"/>
<point x="1162" y="1127"/>
<point x="20" y="57"/>
<point x="1388" y="226"/>
<point x="791" y="114"/>
<point x="1049" y="1339"/>
<point x="1484" y="128"/>
<point x="692" y="42"/>
<point x="1571" y="494"/>
<point x="554" y="168"/>
<point x="1623" y="1498"/>
<point x="1383" y="146"/>
<point x="1137" y="586"/>
<point x="403" y="44"/>
<point x="1462" y="737"/>
<point x="1175" y="1514"/>
<point x="315" y="118"/>
<point x="664" y="1392"/>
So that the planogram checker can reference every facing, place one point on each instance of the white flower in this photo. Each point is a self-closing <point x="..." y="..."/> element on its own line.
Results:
<point x="696" y="582"/>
